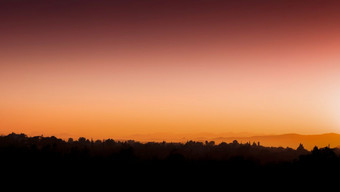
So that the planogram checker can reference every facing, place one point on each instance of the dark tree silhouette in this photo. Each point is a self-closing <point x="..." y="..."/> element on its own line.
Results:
<point x="50" y="155"/>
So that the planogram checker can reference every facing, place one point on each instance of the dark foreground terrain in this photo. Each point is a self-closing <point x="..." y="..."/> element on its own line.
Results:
<point x="49" y="159"/>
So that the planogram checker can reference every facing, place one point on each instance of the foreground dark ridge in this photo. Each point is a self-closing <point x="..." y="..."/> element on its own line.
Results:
<point x="132" y="150"/>
<point x="50" y="156"/>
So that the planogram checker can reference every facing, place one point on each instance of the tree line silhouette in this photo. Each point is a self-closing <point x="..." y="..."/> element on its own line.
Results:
<point x="31" y="147"/>
<point x="50" y="155"/>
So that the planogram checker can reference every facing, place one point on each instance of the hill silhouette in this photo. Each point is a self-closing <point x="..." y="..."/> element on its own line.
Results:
<point x="50" y="157"/>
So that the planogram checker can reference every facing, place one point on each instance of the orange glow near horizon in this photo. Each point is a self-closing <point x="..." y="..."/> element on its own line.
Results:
<point x="118" y="70"/>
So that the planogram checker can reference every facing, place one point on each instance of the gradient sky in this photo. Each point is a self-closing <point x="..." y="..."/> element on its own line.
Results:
<point x="116" y="68"/>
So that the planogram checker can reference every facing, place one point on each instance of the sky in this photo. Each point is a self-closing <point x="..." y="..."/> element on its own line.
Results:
<point x="114" y="69"/>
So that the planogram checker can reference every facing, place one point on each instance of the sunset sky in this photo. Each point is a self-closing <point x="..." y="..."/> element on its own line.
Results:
<point x="100" y="68"/>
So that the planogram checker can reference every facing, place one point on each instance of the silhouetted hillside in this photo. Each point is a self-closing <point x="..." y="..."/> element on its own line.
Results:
<point x="46" y="156"/>
<point x="20" y="144"/>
